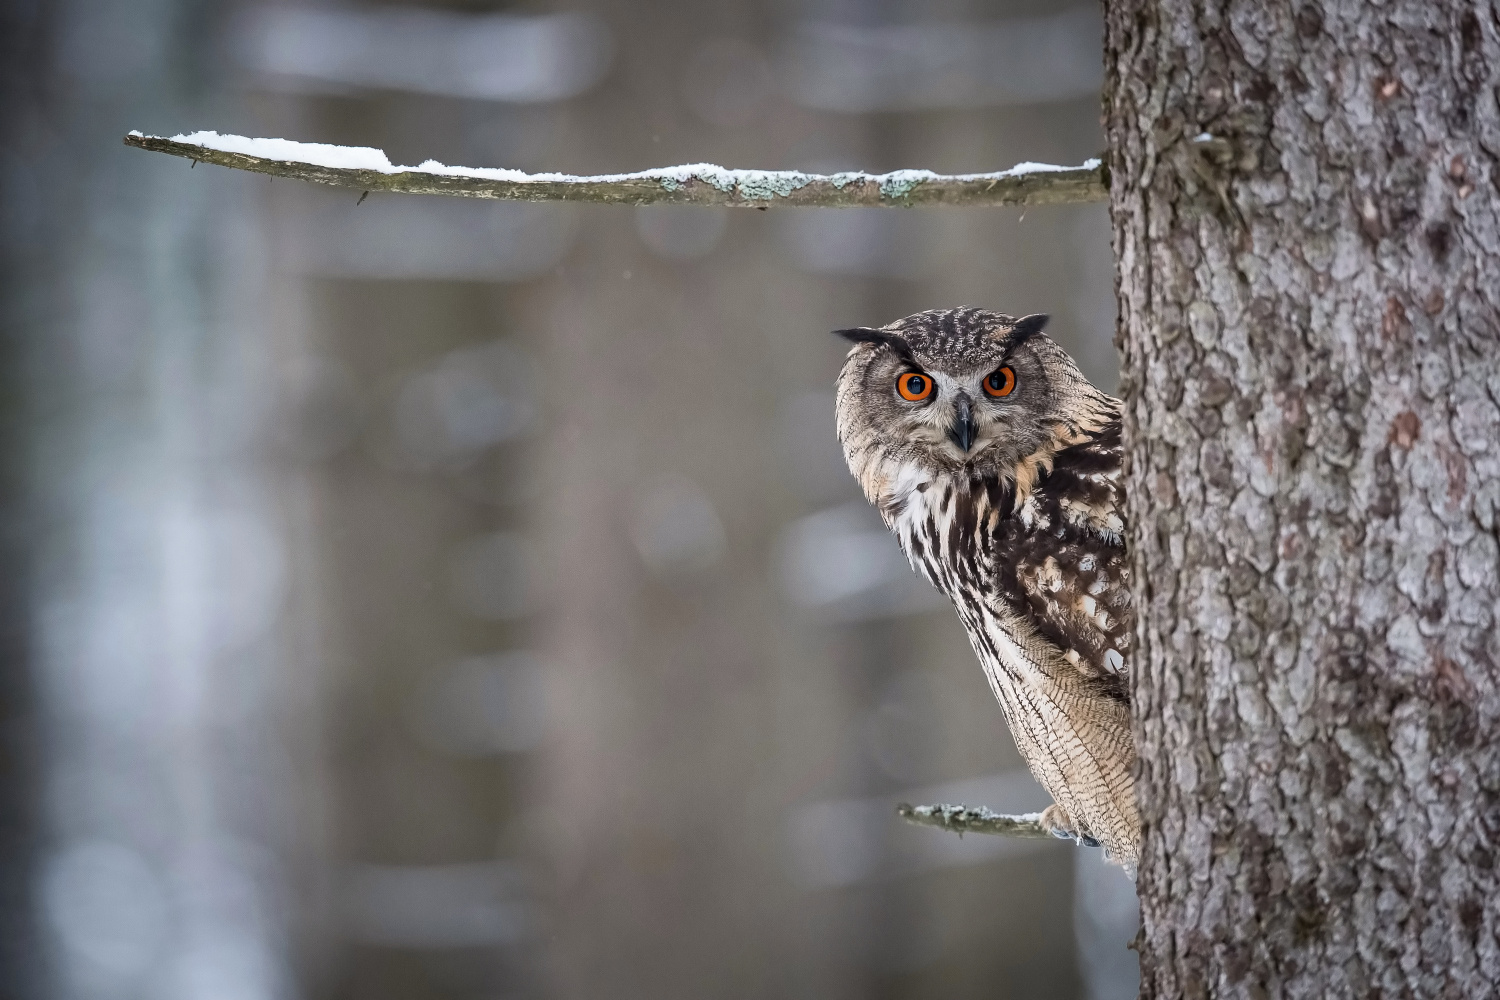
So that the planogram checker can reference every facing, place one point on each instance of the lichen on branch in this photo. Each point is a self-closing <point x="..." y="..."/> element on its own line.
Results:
<point x="974" y="819"/>
<point x="366" y="169"/>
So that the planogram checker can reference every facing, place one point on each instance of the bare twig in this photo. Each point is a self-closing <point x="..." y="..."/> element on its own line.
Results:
<point x="699" y="184"/>
<point x="973" y="819"/>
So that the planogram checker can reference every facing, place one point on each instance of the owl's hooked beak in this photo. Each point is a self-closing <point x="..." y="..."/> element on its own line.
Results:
<point x="964" y="430"/>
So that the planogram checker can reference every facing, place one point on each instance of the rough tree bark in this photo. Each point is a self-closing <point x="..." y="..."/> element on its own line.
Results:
<point x="1305" y="204"/>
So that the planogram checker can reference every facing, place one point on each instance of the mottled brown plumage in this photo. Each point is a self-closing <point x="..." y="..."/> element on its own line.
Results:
<point x="1010" y="501"/>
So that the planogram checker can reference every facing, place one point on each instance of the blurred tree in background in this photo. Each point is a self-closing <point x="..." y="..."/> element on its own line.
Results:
<point x="443" y="599"/>
<point x="440" y="600"/>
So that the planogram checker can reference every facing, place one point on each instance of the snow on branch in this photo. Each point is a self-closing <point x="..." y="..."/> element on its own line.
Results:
<point x="366" y="169"/>
<point x="974" y="819"/>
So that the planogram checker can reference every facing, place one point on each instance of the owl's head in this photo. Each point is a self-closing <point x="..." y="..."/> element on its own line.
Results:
<point x="960" y="391"/>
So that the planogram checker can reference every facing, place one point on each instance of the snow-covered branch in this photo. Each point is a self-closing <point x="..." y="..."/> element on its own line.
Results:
<point x="365" y="169"/>
<point x="973" y="819"/>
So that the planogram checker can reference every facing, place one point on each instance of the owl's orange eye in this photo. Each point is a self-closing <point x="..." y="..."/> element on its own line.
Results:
<point x="914" y="386"/>
<point x="1001" y="382"/>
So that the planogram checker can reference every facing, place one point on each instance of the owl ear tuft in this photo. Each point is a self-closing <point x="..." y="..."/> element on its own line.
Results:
<point x="1026" y="327"/>
<point x="881" y="338"/>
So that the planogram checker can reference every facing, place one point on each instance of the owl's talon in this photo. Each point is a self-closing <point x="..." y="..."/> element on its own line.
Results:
<point x="1056" y="821"/>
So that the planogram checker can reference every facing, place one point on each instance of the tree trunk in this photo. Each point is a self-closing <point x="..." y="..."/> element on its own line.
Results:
<point x="1305" y="204"/>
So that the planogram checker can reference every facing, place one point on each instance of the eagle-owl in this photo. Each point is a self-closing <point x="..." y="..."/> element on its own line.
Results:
<point x="997" y="466"/>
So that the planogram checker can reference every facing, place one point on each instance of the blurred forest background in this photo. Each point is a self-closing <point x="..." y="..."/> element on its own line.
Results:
<point x="446" y="599"/>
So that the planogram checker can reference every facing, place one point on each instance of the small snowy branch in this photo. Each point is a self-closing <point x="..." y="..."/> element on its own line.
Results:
<point x="365" y="169"/>
<point x="973" y="819"/>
